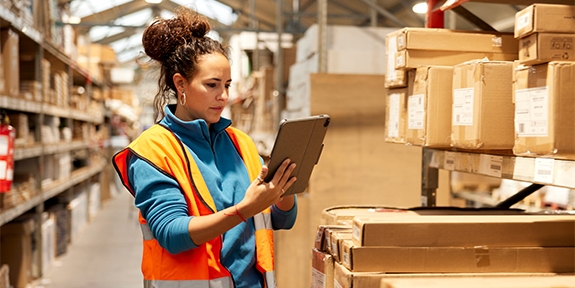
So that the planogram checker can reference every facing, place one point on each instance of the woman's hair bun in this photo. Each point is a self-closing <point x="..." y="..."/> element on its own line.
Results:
<point x="163" y="36"/>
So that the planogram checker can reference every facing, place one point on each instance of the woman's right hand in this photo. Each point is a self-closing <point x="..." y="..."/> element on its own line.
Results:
<point x="261" y="195"/>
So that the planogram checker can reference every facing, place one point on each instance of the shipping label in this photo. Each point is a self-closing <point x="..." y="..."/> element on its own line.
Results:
<point x="416" y="111"/>
<point x="532" y="112"/>
<point x="317" y="279"/>
<point x="394" y="112"/>
<point x="463" y="106"/>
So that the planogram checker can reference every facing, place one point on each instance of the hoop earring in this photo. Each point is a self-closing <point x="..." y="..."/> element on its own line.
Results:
<point x="183" y="100"/>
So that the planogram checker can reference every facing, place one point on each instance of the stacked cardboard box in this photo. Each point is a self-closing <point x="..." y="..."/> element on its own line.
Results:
<point x="419" y="62"/>
<point x="544" y="90"/>
<point x="9" y="47"/>
<point x="482" y="107"/>
<point x="412" y="244"/>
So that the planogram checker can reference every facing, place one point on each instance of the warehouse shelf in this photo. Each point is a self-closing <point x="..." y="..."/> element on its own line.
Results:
<point x="51" y="190"/>
<point x="26" y="152"/>
<point x="58" y="186"/>
<point x="546" y="171"/>
<point x="537" y="170"/>
<point x="18" y="104"/>
<point x="24" y="105"/>
<point x="65" y="147"/>
<point x="7" y="17"/>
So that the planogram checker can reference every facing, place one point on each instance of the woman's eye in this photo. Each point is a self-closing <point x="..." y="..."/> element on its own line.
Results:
<point x="228" y="86"/>
<point x="211" y="85"/>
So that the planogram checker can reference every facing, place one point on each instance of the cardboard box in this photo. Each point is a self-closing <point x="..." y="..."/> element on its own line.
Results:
<point x="394" y="78"/>
<point x="482" y="105"/>
<point x="396" y="113"/>
<point x="322" y="241"/>
<point x="465" y="231"/>
<point x="549" y="18"/>
<point x="481" y="281"/>
<point x="544" y="110"/>
<point x="455" y="40"/>
<point x="17" y="235"/>
<point x="411" y="59"/>
<point x="343" y="278"/>
<point x="9" y="40"/>
<point x="396" y="110"/>
<point x="469" y="259"/>
<point x="322" y="269"/>
<point x="540" y="48"/>
<point x="336" y="238"/>
<point x="429" y="107"/>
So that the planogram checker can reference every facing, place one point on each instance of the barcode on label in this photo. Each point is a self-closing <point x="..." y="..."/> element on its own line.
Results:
<point x="449" y="161"/>
<point x="521" y="128"/>
<point x="544" y="172"/>
<point x="495" y="167"/>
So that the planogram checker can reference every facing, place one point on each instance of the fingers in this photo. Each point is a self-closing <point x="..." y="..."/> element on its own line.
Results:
<point x="262" y="176"/>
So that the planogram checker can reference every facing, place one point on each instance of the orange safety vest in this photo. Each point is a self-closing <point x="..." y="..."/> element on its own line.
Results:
<point x="160" y="147"/>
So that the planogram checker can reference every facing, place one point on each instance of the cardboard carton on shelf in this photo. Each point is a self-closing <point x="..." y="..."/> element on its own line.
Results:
<point x="544" y="97"/>
<point x="458" y="259"/>
<point x="456" y="40"/>
<point x="429" y="107"/>
<point x="396" y="110"/>
<point x="465" y="231"/>
<point x="548" y="18"/>
<point x="9" y="47"/>
<point x="541" y="48"/>
<point x="482" y="115"/>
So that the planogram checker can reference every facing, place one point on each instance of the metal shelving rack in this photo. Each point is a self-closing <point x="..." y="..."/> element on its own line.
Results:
<point x="35" y="44"/>
<point x="539" y="171"/>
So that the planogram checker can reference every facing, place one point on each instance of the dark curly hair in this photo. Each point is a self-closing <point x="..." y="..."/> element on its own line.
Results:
<point x="177" y="44"/>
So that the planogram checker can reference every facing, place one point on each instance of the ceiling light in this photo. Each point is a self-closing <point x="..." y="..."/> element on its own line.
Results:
<point x="154" y="1"/>
<point x="420" y="8"/>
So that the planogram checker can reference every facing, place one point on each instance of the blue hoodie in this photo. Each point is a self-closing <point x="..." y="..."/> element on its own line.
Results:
<point x="163" y="205"/>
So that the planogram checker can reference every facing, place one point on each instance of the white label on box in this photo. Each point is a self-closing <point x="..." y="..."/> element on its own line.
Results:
<point x="449" y="161"/>
<point x="522" y="21"/>
<point x="394" y="112"/>
<point x="401" y="40"/>
<point x="317" y="279"/>
<point x="346" y="258"/>
<point x="463" y="107"/>
<point x="490" y="165"/>
<point x="544" y="170"/>
<point x="400" y="62"/>
<point x="532" y="112"/>
<point x="415" y="111"/>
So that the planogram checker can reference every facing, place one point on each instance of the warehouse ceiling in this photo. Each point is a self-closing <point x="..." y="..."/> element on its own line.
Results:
<point x="120" y="23"/>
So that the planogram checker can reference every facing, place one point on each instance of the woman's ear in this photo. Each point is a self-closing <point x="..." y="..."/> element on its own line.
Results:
<point x="179" y="81"/>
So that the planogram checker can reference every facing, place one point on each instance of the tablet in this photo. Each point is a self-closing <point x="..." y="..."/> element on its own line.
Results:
<point x="300" y="140"/>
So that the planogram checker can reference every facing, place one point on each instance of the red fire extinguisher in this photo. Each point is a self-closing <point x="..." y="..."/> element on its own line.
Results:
<point x="7" y="136"/>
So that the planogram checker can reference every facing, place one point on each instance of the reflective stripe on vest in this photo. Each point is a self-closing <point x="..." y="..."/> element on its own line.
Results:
<point x="164" y="151"/>
<point x="214" y="283"/>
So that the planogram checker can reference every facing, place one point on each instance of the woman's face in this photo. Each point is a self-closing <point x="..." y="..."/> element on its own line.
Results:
<point x="207" y="91"/>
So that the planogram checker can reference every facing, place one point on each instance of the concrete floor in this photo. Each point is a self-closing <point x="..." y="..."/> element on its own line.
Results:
<point x="106" y="254"/>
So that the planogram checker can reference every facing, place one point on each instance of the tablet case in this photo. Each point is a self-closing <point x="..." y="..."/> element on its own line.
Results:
<point x="301" y="140"/>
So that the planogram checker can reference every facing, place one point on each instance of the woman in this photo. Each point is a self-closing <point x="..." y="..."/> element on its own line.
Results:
<point x="206" y="214"/>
